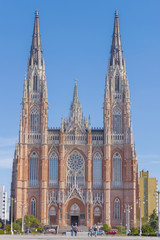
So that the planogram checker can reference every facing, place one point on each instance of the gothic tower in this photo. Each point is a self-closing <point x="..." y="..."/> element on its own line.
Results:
<point x="120" y="185"/>
<point x="33" y="131"/>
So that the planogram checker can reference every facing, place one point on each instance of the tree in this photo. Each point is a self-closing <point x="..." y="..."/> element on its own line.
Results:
<point x="31" y="221"/>
<point x="147" y="228"/>
<point x="153" y="221"/>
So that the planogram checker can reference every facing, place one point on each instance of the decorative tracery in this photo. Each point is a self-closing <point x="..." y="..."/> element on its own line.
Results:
<point x="34" y="119"/>
<point x="75" y="170"/>
<point x="117" y="121"/>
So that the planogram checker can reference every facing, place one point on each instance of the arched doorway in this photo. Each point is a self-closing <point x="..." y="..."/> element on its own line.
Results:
<point x="52" y="216"/>
<point x="74" y="214"/>
<point x="97" y="215"/>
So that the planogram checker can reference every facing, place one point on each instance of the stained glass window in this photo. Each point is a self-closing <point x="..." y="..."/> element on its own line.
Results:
<point x="53" y="170"/>
<point x="75" y="170"/>
<point x="34" y="119"/>
<point x="117" y="122"/>
<point x="117" y="170"/>
<point x="33" y="206"/>
<point x="117" y="209"/>
<point x="97" y="170"/>
<point x="33" y="169"/>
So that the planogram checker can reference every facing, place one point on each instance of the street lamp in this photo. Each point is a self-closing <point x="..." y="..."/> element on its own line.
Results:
<point x="158" y="192"/>
<point x="127" y="210"/>
<point x="23" y="206"/>
<point x="13" y="200"/>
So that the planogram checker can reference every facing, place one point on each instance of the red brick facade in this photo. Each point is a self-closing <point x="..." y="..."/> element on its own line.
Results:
<point x="76" y="173"/>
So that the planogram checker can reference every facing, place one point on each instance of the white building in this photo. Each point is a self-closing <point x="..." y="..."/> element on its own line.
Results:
<point x="3" y="203"/>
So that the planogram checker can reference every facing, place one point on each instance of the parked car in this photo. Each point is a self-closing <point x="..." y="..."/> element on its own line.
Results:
<point x="100" y="233"/>
<point x="112" y="232"/>
<point x="50" y="231"/>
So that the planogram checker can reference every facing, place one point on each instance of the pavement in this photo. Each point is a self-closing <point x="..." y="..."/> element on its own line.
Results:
<point x="58" y="237"/>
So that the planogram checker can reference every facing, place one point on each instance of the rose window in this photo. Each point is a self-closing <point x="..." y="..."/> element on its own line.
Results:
<point x="75" y="169"/>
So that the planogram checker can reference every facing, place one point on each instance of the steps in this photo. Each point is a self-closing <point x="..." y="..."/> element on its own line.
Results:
<point x="68" y="228"/>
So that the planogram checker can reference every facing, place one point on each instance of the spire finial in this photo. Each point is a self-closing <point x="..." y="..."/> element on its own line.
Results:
<point x="116" y="48"/>
<point x="37" y="13"/>
<point x="75" y="95"/>
<point x="36" y="48"/>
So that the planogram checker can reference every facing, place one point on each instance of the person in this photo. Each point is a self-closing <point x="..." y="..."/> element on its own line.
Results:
<point x="72" y="230"/>
<point x="95" y="230"/>
<point x="90" y="231"/>
<point x="75" y="229"/>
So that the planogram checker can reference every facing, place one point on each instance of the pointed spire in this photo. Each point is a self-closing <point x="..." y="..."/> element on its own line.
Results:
<point x="75" y="95"/>
<point x="89" y="123"/>
<point x="36" y="48"/>
<point x="116" y="48"/>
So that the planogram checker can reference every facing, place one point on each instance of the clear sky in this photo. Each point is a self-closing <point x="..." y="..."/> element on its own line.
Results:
<point x="76" y="39"/>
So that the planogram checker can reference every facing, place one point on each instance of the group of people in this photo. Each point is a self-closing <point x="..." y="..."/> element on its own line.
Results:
<point x="93" y="230"/>
<point x="74" y="229"/>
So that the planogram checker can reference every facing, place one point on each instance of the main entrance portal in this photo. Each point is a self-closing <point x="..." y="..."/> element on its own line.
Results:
<point x="74" y="220"/>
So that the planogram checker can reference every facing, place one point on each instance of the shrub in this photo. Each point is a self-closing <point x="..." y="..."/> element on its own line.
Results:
<point x="134" y="231"/>
<point x="106" y="228"/>
<point x="121" y="229"/>
<point x="147" y="228"/>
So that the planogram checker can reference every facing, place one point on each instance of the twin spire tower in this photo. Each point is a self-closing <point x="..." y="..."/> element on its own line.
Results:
<point x="75" y="174"/>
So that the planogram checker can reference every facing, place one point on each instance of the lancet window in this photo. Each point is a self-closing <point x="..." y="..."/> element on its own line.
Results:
<point x="35" y="83"/>
<point x="117" y="170"/>
<point x="33" y="206"/>
<point x="117" y="83"/>
<point x="53" y="170"/>
<point x="117" y="209"/>
<point x="97" y="170"/>
<point x="117" y="121"/>
<point x="75" y="170"/>
<point x="33" y="169"/>
<point x="34" y="119"/>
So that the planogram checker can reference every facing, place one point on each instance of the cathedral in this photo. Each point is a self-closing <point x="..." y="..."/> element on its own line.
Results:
<point x="76" y="174"/>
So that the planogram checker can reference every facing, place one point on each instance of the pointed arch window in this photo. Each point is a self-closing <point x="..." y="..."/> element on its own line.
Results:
<point x="97" y="170"/>
<point x="117" y="209"/>
<point x="117" y="83"/>
<point x="117" y="170"/>
<point x="35" y="83"/>
<point x="53" y="170"/>
<point x="33" y="169"/>
<point x="117" y="121"/>
<point x="75" y="170"/>
<point x="34" y="119"/>
<point x="33" y="206"/>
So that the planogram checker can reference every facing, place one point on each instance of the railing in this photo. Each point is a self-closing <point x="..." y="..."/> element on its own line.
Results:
<point x="75" y="139"/>
<point x="34" y="138"/>
<point x="53" y="138"/>
<point x="117" y="138"/>
<point x="117" y="97"/>
<point x="97" y="139"/>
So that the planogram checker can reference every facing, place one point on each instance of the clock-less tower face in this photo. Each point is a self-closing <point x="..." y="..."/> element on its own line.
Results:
<point x="75" y="170"/>
<point x="75" y="161"/>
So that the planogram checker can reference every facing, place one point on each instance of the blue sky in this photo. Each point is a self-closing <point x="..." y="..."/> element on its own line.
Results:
<point x="76" y="39"/>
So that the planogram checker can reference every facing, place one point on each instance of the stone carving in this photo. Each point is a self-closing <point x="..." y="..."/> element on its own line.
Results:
<point x="97" y="198"/>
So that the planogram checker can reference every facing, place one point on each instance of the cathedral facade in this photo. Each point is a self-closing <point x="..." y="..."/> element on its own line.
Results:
<point x="76" y="174"/>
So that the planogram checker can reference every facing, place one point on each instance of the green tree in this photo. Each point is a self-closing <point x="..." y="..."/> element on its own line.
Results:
<point x="153" y="221"/>
<point x="16" y="226"/>
<point x="106" y="228"/>
<point x="147" y="228"/>
<point x="31" y="221"/>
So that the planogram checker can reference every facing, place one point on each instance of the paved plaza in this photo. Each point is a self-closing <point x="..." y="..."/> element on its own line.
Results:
<point x="58" y="237"/>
